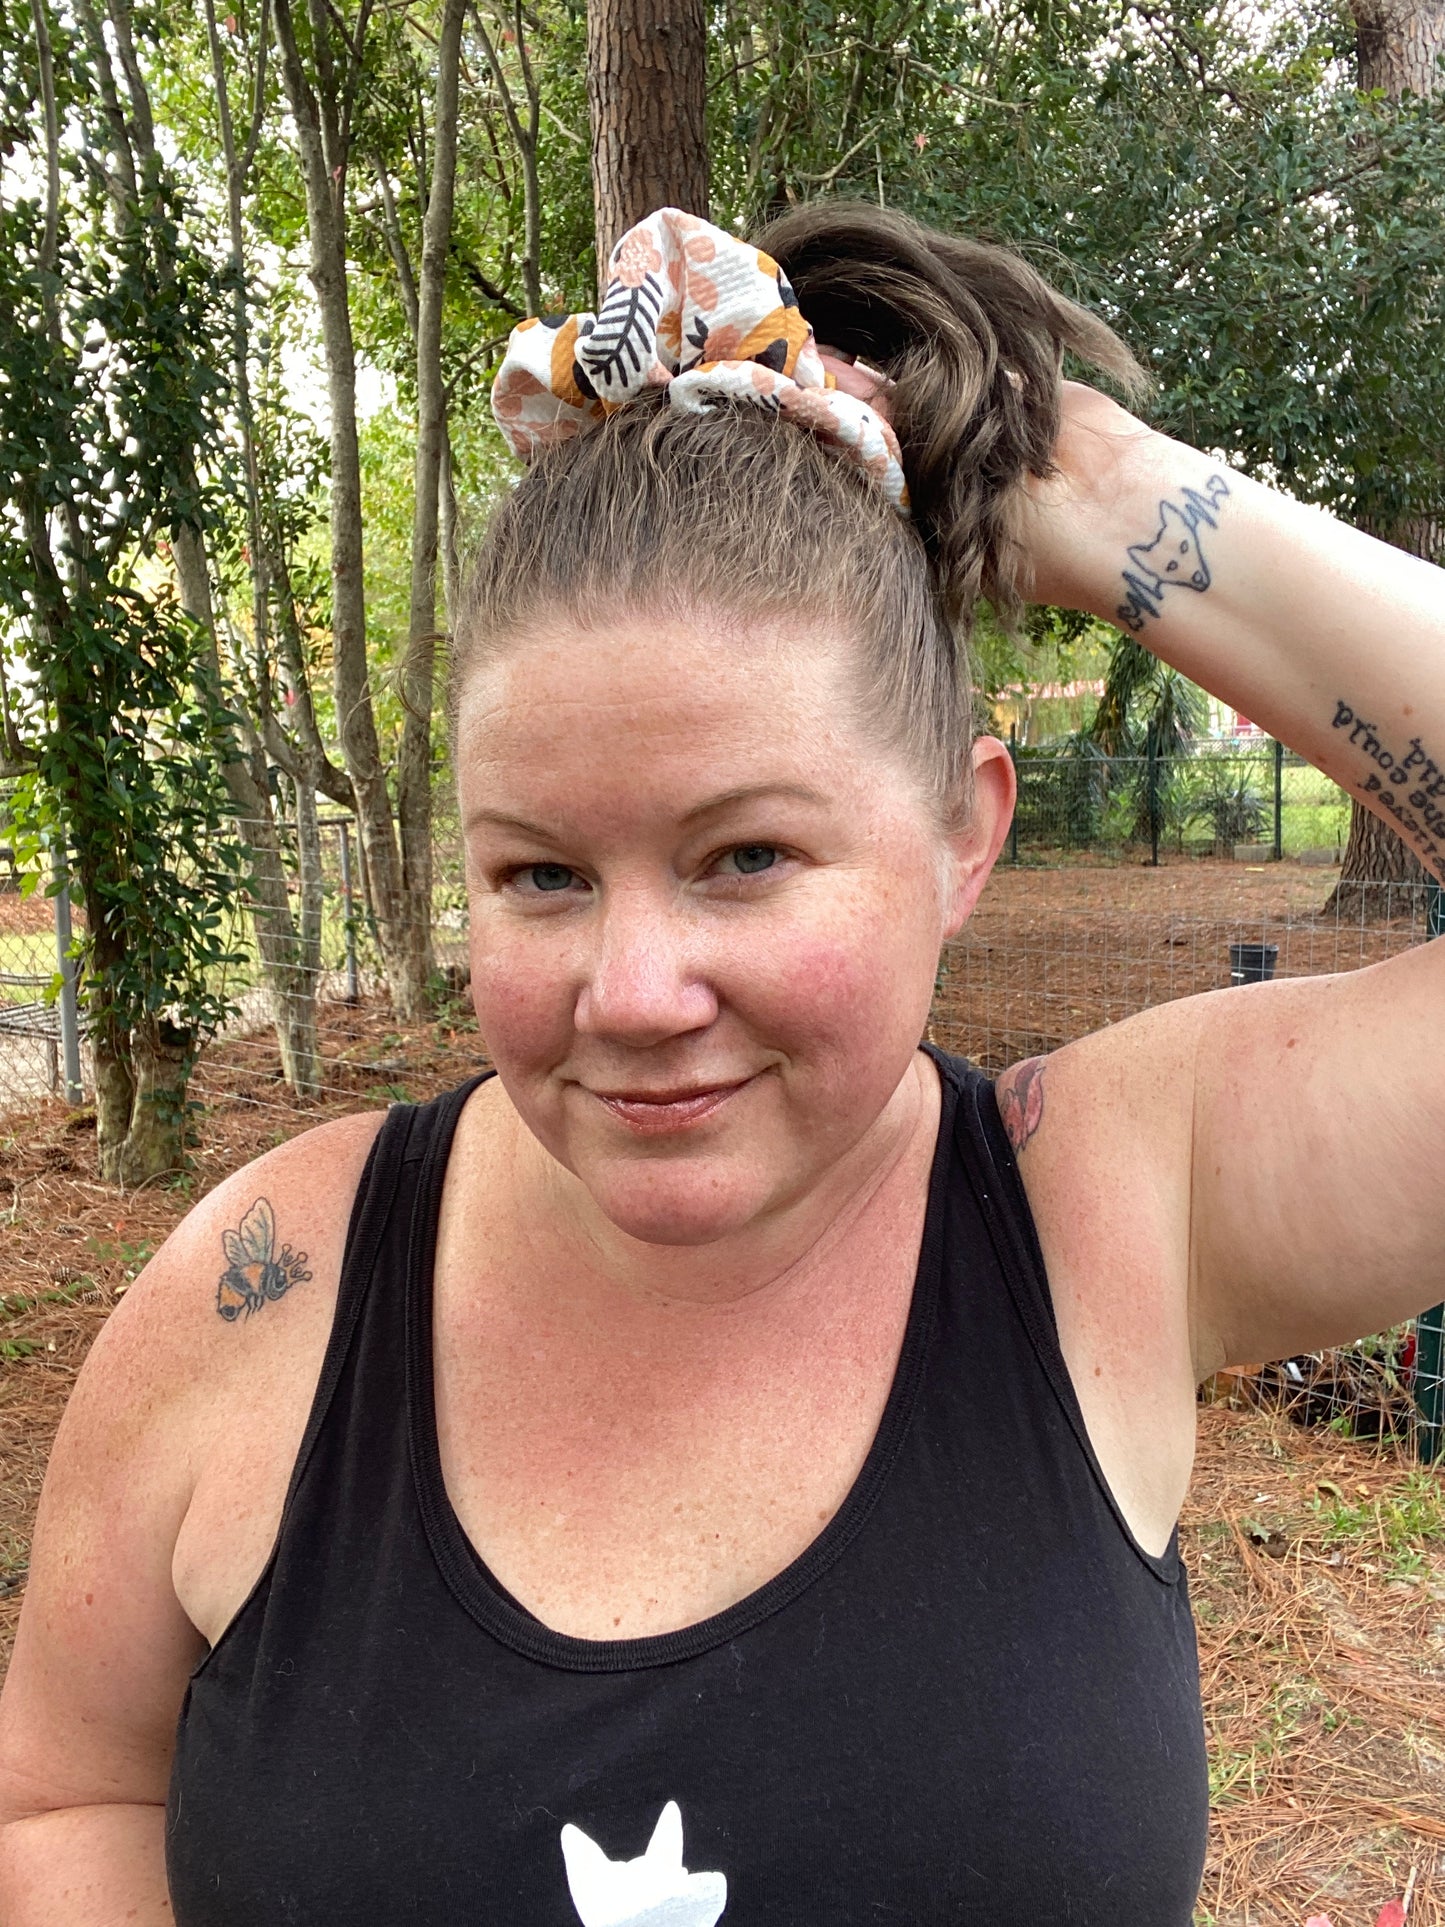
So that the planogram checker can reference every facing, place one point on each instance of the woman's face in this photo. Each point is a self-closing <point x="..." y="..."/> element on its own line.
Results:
<point x="706" y="909"/>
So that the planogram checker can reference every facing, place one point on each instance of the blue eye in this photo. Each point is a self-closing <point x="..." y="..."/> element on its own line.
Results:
<point x="549" y="876"/>
<point x="751" y="858"/>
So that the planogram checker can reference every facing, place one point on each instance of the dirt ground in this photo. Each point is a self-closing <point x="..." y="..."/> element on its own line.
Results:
<point x="1317" y="1563"/>
<point x="1051" y="954"/>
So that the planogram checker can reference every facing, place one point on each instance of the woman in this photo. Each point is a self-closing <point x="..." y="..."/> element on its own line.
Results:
<point x="733" y="1455"/>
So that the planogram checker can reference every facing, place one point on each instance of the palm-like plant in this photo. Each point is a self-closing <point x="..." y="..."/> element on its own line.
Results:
<point x="1148" y="710"/>
<point x="1147" y="707"/>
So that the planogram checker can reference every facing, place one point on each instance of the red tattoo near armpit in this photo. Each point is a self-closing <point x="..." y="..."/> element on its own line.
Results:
<point x="1020" y="1094"/>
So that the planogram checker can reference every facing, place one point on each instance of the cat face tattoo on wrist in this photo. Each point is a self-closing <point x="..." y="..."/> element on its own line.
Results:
<point x="256" y="1272"/>
<point x="1175" y="558"/>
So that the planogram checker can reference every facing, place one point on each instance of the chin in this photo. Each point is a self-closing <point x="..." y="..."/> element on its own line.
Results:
<point x="692" y="1202"/>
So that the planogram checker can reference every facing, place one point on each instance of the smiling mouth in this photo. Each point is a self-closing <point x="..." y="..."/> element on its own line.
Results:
<point x="652" y="1113"/>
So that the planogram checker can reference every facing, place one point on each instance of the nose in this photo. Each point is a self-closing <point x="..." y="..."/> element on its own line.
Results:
<point x="643" y="984"/>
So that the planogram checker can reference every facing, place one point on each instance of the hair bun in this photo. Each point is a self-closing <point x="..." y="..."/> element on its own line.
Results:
<point x="973" y="339"/>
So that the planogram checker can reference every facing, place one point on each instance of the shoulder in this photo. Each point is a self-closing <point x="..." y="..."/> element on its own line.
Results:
<point x="251" y="1270"/>
<point x="205" y="1369"/>
<point x="277" y="1224"/>
<point x="1111" y="1097"/>
<point x="1103" y="1131"/>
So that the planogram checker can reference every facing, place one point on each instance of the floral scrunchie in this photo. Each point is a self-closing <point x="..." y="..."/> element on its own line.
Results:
<point x="708" y="317"/>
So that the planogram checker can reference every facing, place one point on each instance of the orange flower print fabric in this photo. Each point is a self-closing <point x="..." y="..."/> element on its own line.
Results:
<point x="690" y="308"/>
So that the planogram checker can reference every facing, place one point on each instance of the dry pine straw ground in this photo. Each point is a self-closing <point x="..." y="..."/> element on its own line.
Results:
<point x="1317" y="1563"/>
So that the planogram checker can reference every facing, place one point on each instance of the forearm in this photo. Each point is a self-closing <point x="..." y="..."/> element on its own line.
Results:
<point x="99" y="1866"/>
<point x="1332" y="641"/>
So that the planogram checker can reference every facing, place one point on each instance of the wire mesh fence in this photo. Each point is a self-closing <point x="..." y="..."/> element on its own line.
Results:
<point x="1054" y="950"/>
<point x="1052" y="954"/>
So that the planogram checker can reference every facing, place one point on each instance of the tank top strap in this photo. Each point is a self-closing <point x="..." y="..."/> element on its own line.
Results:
<point x="380" y="1235"/>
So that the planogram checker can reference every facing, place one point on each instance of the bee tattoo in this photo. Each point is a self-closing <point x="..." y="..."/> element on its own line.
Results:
<point x="255" y="1269"/>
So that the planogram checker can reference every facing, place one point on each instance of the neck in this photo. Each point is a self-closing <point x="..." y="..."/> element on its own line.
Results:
<point x="775" y="1257"/>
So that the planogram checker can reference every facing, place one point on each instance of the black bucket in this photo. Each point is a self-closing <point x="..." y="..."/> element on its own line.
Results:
<point x="1252" y="963"/>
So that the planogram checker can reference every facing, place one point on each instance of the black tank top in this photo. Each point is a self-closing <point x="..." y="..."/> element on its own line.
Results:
<point x="973" y="1699"/>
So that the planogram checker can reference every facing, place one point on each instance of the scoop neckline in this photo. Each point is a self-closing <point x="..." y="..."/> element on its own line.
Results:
<point x="467" y="1575"/>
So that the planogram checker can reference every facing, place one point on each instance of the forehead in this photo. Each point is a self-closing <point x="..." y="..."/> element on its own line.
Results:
<point x="659" y="702"/>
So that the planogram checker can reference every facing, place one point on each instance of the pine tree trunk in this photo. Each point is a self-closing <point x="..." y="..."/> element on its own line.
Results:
<point x="418" y="679"/>
<point x="1399" y="45"/>
<point x="320" y="141"/>
<point x="647" y="88"/>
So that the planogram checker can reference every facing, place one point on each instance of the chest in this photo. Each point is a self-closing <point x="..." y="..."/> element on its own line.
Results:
<point x="946" y="1727"/>
<point x="625" y="1484"/>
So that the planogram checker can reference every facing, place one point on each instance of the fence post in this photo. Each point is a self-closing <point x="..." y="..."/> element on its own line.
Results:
<point x="1430" y="1325"/>
<point x="68" y="1006"/>
<point x="1279" y="802"/>
<point x="1430" y="1384"/>
<point x="1013" y="833"/>
<point x="1151" y="777"/>
<point x="353" y="991"/>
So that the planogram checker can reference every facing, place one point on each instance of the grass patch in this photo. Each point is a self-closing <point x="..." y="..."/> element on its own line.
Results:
<point x="1399" y="1523"/>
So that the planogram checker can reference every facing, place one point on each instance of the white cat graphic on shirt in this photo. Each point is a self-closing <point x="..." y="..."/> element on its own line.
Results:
<point x="653" y="1891"/>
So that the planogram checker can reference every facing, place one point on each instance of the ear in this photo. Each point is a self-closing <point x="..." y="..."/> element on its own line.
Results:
<point x="665" y="1846"/>
<point x="975" y="844"/>
<point x="588" y="1869"/>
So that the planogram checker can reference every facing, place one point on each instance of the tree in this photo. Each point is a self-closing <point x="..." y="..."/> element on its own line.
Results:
<point x="1400" y="48"/>
<point x="414" y="772"/>
<point x="324" y="97"/>
<point x="107" y="302"/>
<point x="290" y="950"/>
<point x="647" y="88"/>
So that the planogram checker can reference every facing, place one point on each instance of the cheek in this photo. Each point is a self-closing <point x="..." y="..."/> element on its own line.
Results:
<point x="853" y="973"/>
<point x="522" y="990"/>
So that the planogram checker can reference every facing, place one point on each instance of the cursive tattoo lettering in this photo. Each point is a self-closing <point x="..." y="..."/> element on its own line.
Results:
<point x="1409" y="786"/>
<point x="1020" y="1096"/>
<point x="1174" y="559"/>
<point x="256" y="1272"/>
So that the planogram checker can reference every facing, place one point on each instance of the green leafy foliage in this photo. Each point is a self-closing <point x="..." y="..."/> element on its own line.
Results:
<point x="109" y="306"/>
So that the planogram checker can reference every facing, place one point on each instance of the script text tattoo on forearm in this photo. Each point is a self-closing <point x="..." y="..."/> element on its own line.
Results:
<point x="1408" y="785"/>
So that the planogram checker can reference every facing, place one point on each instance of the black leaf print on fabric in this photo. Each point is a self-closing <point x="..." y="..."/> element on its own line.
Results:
<point x="785" y="291"/>
<point x="774" y="356"/>
<point x="696" y="337"/>
<point x="616" y="348"/>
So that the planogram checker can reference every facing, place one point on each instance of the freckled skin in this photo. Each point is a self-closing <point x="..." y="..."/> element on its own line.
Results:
<point x="813" y="981"/>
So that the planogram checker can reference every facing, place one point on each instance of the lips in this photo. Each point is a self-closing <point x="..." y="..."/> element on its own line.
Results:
<point x="652" y="1114"/>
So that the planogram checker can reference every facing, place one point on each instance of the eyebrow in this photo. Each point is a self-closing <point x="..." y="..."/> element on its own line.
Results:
<point x="727" y="799"/>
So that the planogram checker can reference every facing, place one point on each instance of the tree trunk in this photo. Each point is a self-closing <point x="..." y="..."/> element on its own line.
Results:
<point x="299" y="1040"/>
<point x="418" y="680"/>
<point x="448" y="536"/>
<point x="322" y="140"/>
<point x="647" y="89"/>
<point x="1399" y="45"/>
<point x="142" y="1079"/>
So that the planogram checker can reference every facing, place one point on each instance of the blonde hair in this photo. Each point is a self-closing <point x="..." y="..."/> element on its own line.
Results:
<point x="745" y="513"/>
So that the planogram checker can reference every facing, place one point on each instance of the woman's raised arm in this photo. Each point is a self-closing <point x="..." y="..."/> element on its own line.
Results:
<point x="1331" y="640"/>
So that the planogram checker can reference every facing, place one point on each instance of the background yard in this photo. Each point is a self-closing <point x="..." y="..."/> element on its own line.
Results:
<point x="1317" y="1559"/>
